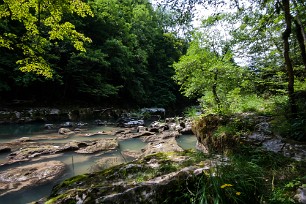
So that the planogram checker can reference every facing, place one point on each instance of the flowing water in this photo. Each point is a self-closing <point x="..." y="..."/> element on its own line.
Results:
<point x="76" y="163"/>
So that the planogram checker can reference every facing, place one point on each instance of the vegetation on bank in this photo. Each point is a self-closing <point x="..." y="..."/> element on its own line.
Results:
<point x="250" y="175"/>
<point x="115" y="52"/>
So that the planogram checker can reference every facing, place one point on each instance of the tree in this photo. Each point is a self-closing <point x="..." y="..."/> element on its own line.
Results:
<point x="40" y="24"/>
<point x="208" y="71"/>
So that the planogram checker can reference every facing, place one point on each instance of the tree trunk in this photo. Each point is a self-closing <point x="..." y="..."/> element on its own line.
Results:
<point x="290" y="72"/>
<point x="214" y="90"/>
<point x="299" y="35"/>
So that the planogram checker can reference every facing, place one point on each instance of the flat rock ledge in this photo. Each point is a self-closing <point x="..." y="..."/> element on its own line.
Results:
<point x="18" y="178"/>
<point x="152" y="179"/>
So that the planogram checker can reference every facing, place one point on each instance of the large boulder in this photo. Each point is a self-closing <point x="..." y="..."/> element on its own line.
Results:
<point x="16" y="179"/>
<point x="155" y="179"/>
<point x="205" y="128"/>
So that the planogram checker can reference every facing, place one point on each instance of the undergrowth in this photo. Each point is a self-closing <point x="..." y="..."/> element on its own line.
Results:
<point x="252" y="176"/>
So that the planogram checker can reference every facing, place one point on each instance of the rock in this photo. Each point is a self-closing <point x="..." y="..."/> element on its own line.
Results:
<point x="48" y="126"/>
<point x="67" y="124"/>
<point x="141" y="129"/>
<point x="25" y="154"/>
<point x="81" y="124"/>
<point x="154" y="179"/>
<point x="107" y="162"/>
<point x="150" y="191"/>
<point x="16" y="179"/>
<point x="65" y="131"/>
<point x="132" y="133"/>
<point x="128" y="154"/>
<point x="301" y="195"/>
<point x="74" y="145"/>
<point x="41" y="137"/>
<point x="99" y="145"/>
<point x="263" y="127"/>
<point x="134" y="123"/>
<point x="166" y="145"/>
<point x="160" y="137"/>
<point x="186" y="131"/>
<point x="100" y="122"/>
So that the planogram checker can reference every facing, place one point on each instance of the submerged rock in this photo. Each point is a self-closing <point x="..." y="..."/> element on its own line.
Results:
<point x="107" y="162"/>
<point x="16" y="179"/>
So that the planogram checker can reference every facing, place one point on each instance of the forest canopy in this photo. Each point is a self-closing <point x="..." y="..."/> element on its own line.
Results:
<point x="109" y="51"/>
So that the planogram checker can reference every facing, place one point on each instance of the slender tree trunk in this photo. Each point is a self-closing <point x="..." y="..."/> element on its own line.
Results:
<point x="214" y="90"/>
<point x="290" y="72"/>
<point x="299" y="21"/>
<point x="299" y="35"/>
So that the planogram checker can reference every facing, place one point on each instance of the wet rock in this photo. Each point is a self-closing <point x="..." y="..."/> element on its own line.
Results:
<point x="165" y="145"/>
<point x="81" y="124"/>
<point x="142" y="129"/>
<point x="48" y="126"/>
<point x="25" y="154"/>
<point x="16" y="179"/>
<point x="74" y="145"/>
<point x="41" y="137"/>
<point x="129" y="133"/>
<point x="129" y="154"/>
<point x="160" y="137"/>
<point x="65" y="131"/>
<point x="134" y="123"/>
<point x="99" y="145"/>
<point x="100" y="122"/>
<point x="158" y="127"/>
<point x="67" y="124"/>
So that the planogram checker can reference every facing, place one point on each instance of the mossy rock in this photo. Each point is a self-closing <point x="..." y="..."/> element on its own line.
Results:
<point x="215" y="133"/>
<point x="158" y="178"/>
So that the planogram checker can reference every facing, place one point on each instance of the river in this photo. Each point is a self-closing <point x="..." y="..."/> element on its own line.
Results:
<point x="76" y="163"/>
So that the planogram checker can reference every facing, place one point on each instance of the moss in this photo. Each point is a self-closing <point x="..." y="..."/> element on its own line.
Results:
<point x="69" y="183"/>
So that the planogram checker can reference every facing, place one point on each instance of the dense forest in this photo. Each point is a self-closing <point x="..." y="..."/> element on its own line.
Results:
<point x="104" y="52"/>
<point x="245" y="56"/>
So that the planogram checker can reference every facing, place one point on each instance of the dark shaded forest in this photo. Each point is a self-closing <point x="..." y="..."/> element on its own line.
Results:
<point x="127" y="61"/>
<point x="245" y="56"/>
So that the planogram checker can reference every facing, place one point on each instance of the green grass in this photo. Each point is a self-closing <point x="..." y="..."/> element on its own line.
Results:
<point x="251" y="176"/>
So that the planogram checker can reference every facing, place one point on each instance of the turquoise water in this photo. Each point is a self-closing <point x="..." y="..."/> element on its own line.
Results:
<point x="187" y="141"/>
<point x="75" y="163"/>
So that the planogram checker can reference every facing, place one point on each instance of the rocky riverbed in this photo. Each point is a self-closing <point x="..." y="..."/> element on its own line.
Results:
<point x="159" y="137"/>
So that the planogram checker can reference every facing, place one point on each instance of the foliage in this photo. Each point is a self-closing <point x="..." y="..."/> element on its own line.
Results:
<point x="250" y="176"/>
<point x="205" y="71"/>
<point x="128" y="59"/>
<point x="41" y="24"/>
